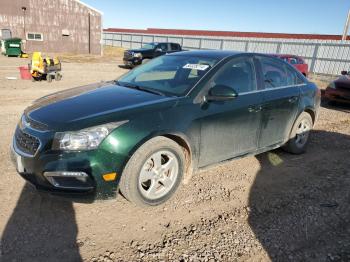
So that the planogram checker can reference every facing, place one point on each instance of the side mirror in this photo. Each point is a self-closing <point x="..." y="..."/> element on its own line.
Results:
<point x="159" y="50"/>
<point x="344" y="73"/>
<point x="221" y="93"/>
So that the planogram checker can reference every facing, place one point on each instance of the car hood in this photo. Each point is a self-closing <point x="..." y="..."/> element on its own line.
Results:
<point x="94" y="104"/>
<point x="140" y="50"/>
<point x="343" y="82"/>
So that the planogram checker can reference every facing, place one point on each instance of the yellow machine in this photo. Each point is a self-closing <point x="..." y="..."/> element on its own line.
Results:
<point x="45" y="68"/>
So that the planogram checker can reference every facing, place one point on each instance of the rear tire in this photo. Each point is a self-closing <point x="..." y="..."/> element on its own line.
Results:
<point x="58" y="76"/>
<point x="299" y="136"/>
<point x="153" y="173"/>
<point x="49" y="78"/>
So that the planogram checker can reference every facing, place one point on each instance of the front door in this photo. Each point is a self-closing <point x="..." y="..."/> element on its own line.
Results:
<point x="161" y="49"/>
<point x="230" y="128"/>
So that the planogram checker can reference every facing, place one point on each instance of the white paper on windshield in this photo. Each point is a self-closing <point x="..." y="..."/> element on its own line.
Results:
<point x="196" y="67"/>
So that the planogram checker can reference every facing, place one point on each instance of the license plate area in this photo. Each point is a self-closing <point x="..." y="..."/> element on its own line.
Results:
<point x="18" y="161"/>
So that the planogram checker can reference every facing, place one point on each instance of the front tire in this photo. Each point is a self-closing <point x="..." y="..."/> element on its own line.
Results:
<point x="300" y="133"/>
<point x="49" y="78"/>
<point x="153" y="173"/>
<point x="145" y="61"/>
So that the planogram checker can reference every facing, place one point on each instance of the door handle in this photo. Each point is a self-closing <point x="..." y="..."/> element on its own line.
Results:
<point x="251" y="109"/>
<point x="254" y="109"/>
<point x="293" y="99"/>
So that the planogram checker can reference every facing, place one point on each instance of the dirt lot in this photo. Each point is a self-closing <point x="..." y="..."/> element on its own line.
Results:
<point x="272" y="207"/>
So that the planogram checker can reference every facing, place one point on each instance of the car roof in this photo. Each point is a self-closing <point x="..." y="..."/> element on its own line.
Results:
<point x="285" y="55"/>
<point x="156" y="43"/>
<point x="218" y="54"/>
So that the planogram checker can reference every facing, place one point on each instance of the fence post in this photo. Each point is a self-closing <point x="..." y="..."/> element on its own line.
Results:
<point x="222" y="44"/>
<point x="279" y="48"/>
<point x="200" y="43"/>
<point x="246" y="48"/>
<point x="314" y="58"/>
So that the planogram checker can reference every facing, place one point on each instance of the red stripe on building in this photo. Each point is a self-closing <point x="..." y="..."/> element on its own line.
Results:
<point x="158" y="31"/>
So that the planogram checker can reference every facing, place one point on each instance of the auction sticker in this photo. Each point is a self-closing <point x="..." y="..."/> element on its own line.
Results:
<point x="196" y="67"/>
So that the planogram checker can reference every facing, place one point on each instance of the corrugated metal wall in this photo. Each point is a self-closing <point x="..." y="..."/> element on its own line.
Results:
<point x="54" y="19"/>
<point x="323" y="56"/>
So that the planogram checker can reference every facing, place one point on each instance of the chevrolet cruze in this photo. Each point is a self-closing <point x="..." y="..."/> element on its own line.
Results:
<point x="145" y="132"/>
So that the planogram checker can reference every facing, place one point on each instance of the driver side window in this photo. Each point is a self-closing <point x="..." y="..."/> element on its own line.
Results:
<point x="238" y="74"/>
<point x="163" y="46"/>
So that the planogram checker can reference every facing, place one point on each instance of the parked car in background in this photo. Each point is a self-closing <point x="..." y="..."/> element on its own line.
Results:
<point x="339" y="89"/>
<point x="170" y="117"/>
<point x="296" y="61"/>
<point x="134" y="57"/>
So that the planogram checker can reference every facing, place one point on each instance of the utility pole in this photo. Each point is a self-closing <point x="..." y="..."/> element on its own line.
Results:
<point x="346" y="28"/>
<point x="89" y="33"/>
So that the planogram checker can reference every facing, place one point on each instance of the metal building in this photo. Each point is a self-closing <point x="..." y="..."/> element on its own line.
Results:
<point x="57" y="26"/>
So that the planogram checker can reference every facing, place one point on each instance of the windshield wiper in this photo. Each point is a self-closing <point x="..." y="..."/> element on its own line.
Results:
<point x="141" y="88"/>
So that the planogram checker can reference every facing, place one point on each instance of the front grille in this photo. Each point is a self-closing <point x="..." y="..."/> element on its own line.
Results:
<point x="127" y="55"/>
<point x="28" y="122"/>
<point x="26" y="143"/>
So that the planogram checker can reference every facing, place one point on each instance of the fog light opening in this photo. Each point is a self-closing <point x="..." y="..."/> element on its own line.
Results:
<point x="50" y="176"/>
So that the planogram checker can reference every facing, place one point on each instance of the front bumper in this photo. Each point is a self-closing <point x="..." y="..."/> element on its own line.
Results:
<point x="337" y="95"/>
<point x="94" y="164"/>
<point x="134" y="61"/>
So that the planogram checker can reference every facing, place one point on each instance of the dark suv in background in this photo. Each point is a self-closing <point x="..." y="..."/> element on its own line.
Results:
<point x="134" y="57"/>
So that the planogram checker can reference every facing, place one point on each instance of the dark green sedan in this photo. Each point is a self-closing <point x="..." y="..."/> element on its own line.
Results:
<point x="153" y="127"/>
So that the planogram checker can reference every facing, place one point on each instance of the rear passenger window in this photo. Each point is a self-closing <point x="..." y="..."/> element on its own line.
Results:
<point x="293" y="78"/>
<point x="175" y="47"/>
<point x="238" y="74"/>
<point x="274" y="73"/>
<point x="277" y="74"/>
<point x="163" y="46"/>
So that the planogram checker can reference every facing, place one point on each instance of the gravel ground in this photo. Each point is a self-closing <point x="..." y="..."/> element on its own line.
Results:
<point x="272" y="207"/>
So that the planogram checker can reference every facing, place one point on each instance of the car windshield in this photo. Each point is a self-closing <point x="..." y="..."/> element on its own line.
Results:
<point x="148" y="46"/>
<point x="170" y="74"/>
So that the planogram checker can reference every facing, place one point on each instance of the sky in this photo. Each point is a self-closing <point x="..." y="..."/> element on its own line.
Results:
<point x="276" y="16"/>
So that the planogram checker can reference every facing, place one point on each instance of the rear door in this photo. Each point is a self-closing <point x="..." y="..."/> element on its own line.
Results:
<point x="174" y="48"/>
<point x="280" y="100"/>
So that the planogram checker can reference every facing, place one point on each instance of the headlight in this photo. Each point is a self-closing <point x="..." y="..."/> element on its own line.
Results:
<point x="138" y="55"/>
<point x="86" y="139"/>
<point x="332" y="85"/>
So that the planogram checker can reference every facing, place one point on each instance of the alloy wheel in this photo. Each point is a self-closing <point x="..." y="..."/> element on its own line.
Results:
<point x="302" y="133"/>
<point x="158" y="174"/>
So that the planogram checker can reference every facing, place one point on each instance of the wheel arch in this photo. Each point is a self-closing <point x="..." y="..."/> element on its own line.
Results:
<point x="311" y="112"/>
<point x="308" y="110"/>
<point x="183" y="141"/>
